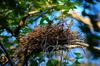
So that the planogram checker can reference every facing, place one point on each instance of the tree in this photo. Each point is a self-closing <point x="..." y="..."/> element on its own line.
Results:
<point x="20" y="45"/>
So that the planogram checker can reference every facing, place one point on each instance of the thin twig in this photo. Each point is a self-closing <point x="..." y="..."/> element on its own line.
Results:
<point x="25" y="58"/>
<point x="78" y="44"/>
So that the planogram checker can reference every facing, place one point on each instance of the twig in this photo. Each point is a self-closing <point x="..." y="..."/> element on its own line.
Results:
<point x="77" y="44"/>
<point x="25" y="58"/>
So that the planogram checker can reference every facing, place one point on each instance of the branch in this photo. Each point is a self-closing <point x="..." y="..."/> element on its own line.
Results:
<point x="25" y="62"/>
<point x="22" y="22"/>
<point x="7" y="55"/>
<point x="77" y="43"/>
<point x="75" y="14"/>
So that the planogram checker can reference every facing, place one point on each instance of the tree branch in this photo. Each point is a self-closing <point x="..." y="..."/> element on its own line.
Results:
<point x="25" y="58"/>
<point x="7" y="55"/>
<point x="78" y="43"/>
<point x="20" y="25"/>
<point x="22" y="22"/>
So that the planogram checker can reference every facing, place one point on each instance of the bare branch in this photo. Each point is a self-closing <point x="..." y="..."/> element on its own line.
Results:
<point x="80" y="44"/>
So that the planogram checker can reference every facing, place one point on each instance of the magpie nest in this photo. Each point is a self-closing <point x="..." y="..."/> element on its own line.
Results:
<point x="48" y="38"/>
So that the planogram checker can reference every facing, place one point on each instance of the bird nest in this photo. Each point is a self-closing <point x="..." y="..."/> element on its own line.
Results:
<point x="48" y="38"/>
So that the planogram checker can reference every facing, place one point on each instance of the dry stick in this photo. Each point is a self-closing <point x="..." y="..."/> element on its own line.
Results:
<point x="61" y="58"/>
<point x="42" y="43"/>
<point x="7" y="55"/>
<point x="77" y="44"/>
<point x="56" y="45"/>
<point x="26" y="58"/>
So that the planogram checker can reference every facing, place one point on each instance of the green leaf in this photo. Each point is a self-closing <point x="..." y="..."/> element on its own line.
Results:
<point x="50" y="55"/>
<point x="33" y="62"/>
<point x="65" y="63"/>
<point x="52" y="62"/>
<point x="65" y="58"/>
<point x="1" y="52"/>
<point x="41" y="59"/>
<point x="39" y="54"/>
<point x="78" y="54"/>
<point x="77" y="62"/>
<point x="43" y="19"/>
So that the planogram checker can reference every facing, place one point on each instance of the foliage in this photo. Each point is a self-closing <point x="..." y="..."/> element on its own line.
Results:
<point x="16" y="34"/>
